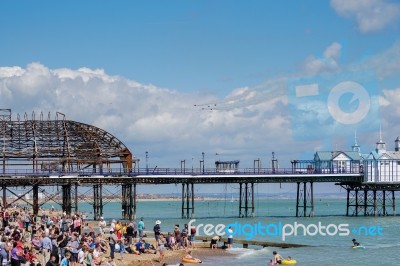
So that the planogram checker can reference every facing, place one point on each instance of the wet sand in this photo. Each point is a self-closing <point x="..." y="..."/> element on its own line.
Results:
<point x="201" y="251"/>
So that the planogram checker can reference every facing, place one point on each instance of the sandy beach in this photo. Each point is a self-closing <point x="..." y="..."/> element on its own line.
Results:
<point x="172" y="257"/>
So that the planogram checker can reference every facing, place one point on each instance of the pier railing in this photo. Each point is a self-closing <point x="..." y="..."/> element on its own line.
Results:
<point x="172" y="171"/>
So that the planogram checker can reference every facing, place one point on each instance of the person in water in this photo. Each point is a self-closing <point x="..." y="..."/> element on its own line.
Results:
<point x="277" y="258"/>
<point x="355" y="243"/>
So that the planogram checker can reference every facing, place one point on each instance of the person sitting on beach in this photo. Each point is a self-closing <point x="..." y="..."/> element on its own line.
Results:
<point x="355" y="243"/>
<point x="132" y="249"/>
<point x="185" y="241"/>
<point x="122" y="249"/>
<point x="214" y="242"/>
<point x="189" y="255"/>
<point x="97" y="254"/>
<point x="144" y="247"/>
<point x="172" y="242"/>
<point x="110" y="262"/>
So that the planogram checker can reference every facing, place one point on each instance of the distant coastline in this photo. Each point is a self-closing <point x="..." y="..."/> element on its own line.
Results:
<point x="176" y="197"/>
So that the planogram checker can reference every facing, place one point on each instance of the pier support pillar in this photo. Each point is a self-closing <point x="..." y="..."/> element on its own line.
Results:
<point x="35" y="199"/>
<point x="134" y="202"/>
<point x="347" y="201"/>
<point x="375" y="204"/>
<point x="393" y="203"/>
<point x="187" y="200"/>
<point x="369" y="201"/>
<point x="66" y="205"/>
<point x="4" y="201"/>
<point x="97" y="201"/>
<point x="305" y="200"/>
<point x="127" y="201"/>
<point x="76" y="197"/>
<point x="357" y="202"/>
<point x="246" y="199"/>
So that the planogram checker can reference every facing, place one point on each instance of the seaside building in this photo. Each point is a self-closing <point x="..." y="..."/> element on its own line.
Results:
<point x="228" y="167"/>
<point x="380" y="165"/>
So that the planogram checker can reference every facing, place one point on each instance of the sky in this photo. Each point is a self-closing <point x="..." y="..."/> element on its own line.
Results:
<point x="235" y="80"/>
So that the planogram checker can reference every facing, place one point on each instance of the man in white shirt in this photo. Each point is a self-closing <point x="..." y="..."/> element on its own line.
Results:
<point x="102" y="224"/>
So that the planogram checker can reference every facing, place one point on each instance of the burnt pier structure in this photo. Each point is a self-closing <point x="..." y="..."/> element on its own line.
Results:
<point x="41" y="151"/>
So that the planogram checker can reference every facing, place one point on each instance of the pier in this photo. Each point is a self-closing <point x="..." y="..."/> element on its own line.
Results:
<point x="45" y="152"/>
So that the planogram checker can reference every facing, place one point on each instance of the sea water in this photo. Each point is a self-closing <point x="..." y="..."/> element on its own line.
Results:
<point x="380" y="235"/>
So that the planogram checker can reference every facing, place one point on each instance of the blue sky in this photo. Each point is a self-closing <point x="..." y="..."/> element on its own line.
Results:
<point x="137" y="68"/>
<point x="183" y="45"/>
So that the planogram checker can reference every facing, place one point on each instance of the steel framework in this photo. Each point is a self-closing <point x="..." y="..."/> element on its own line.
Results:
<point x="59" y="145"/>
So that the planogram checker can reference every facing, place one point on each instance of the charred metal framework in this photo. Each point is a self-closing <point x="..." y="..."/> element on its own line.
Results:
<point x="34" y="149"/>
<point x="59" y="145"/>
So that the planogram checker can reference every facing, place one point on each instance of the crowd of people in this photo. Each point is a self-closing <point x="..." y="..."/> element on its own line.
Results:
<point x="49" y="239"/>
<point x="54" y="238"/>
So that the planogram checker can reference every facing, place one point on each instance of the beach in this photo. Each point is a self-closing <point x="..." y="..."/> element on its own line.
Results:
<point x="333" y="249"/>
<point x="200" y="250"/>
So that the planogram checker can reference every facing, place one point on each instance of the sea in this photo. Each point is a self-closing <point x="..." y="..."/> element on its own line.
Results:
<point x="327" y="236"/>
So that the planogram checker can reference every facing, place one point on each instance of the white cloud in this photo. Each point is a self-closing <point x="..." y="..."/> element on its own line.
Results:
<point x="247" y="124"/>
<point x="148" y="118"/>
<point x="385" y="64"/>
<point x="327" y="63"/>
<point x="370" y="15"/>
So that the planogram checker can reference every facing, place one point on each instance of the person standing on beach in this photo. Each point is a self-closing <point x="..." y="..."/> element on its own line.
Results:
<point x="178" y="236"/>
<point x="192" y="236"/>
<point x="47" y="247"/>
<point x="112" y="226"/>
<point x="157" y="231"/>
<point x="73" y="245"/>
<point x="102" y="224"/>
<point x="113" y="240"/>
<point x="135" y="230"/>
<point x="230" y="237"/>
<point x="129" y="233"/>
<point x="141" y="227"/>
<point x="62" y="242"/>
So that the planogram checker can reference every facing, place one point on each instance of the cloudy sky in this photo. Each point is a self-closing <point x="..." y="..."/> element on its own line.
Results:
<point x="235" y="81"/>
